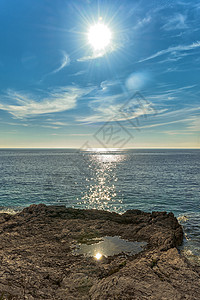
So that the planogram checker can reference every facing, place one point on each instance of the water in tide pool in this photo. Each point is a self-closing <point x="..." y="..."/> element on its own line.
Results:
<point x="150" y="180"/>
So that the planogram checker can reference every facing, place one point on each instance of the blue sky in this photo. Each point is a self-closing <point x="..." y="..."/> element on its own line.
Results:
<point x="142" y="91"/>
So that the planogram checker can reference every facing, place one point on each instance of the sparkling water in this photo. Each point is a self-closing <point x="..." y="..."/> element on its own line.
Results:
<point x="146" y="179"/>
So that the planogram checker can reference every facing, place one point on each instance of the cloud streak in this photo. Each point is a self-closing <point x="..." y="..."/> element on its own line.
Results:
<point x="97" y="54"/>
<point x="195" y="124"/>
<point x="58" y="100"/>
<point x="142" y="22"/>
<point x="170" y="50"/>
<point x="178" y="21"/>
<point x="65" y="62"/>
<point x="91" y="57"/>
<point x="107" y="109"/>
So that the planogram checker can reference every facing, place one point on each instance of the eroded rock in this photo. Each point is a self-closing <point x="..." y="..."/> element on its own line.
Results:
<point x="36" y="260"/>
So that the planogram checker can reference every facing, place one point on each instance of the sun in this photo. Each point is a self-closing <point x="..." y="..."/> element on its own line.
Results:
<point x="99" y="36"/>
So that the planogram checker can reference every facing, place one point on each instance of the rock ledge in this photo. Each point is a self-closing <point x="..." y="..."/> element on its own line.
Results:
<point x="36" y="260"/>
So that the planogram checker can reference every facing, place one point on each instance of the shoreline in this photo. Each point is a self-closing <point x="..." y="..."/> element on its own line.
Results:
<point x="187" y="248"/>
<point x="37" y="261"/>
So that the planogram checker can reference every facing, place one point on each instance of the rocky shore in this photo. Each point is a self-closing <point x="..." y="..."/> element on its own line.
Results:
<point x="37" y="261"/>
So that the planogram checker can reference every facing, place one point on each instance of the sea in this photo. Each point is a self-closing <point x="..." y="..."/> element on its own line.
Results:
<point x="113" y="180"/>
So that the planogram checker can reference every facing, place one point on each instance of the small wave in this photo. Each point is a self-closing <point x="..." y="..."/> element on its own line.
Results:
<point x="10" y="211"/>
<point x="189" y="254"/>
<point x="183" y="219"/>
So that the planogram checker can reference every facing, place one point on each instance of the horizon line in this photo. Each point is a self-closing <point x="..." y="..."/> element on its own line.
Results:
<point x="97" y="148"/>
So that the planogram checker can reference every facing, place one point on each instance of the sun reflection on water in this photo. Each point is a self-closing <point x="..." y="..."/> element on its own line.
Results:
<point x="101" y="183"/>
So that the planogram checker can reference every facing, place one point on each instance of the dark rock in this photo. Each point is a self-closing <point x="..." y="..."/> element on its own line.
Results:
<point x="36" y="260"/>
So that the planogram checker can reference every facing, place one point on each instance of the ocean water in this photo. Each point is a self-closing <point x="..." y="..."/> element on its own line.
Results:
<point x="147" y="179"/>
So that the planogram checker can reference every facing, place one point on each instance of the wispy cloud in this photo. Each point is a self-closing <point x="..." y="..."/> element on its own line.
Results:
<point x="60" y="123"/>
<point x="15" y="124"/>
<point x="164" y="123"/>
<point x="72" y="134"/>
<point x="49" y="126"/>
<point x="185" y="111"/>
<point x="113" y="113"/>
<point x="195" y="124"/>
<point x="118" y="100"/>
<point x="98" y="54"/>
<point x="186" y="118"/>
<point x="79" y="73"/>
<point x="142" y="22"/>
<point x="58" y="100"/>
<point x="170" y="50"/>
<point x="110" y="108"/>
<point x="178" y="21"/>
<point x="177" y="132"/>
<point x="172" y="94"/>
<point x="79" y="134"/>
<point x="94" y="55"/>
<point x="192" y="126"/>
<point x="64" y="62"/>
<point x="174" y="56"/>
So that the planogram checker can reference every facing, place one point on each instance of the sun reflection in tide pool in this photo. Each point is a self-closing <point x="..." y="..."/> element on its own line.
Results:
<point x="101" y="190"/>
<point x="108" y="246"/>
<point x="98" y="256"/>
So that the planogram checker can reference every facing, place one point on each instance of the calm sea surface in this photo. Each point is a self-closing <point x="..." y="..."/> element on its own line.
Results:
<point x="161" y="180"/>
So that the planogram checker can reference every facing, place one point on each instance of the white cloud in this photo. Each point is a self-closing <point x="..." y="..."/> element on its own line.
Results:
<point x="175" y="132"/>
<point x="178" y="21"/>
<point x="15" y="124"/>
<point x="98" y="54"/>
<point x="184" y="117"/>
<point x="65" y="62"/>
<point x="170" y="50"/>
<point x="166" y="123"/>
<point x="195" y="124"/>
<point x="119" y="113"/>
<point x="192" y="126"/>
<point x="181" y="88"/>
<point x="58" y="100"/>
<point x="79" y="73"/>
<point x="60" y="123"/>
<point x="180" y="112"/>
<point x="142" y="22"/>
<point x="72" y="134"/>
<point x="172" y="94"/>
<point x="108" y="84"/>
<point x="48" y="126"/>
<point x="79" y="134"/>
<point x="119" y="102"/>
<point x="106" y="109"/>
<point x="91" y="57"/>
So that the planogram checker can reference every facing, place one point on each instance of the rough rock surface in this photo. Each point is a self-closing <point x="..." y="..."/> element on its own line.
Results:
<point x="36" y="260"/>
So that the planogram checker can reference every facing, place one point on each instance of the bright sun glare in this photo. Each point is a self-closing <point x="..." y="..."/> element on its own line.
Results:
<point x="99" y="36"/>
<point x="98" y="256"/>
